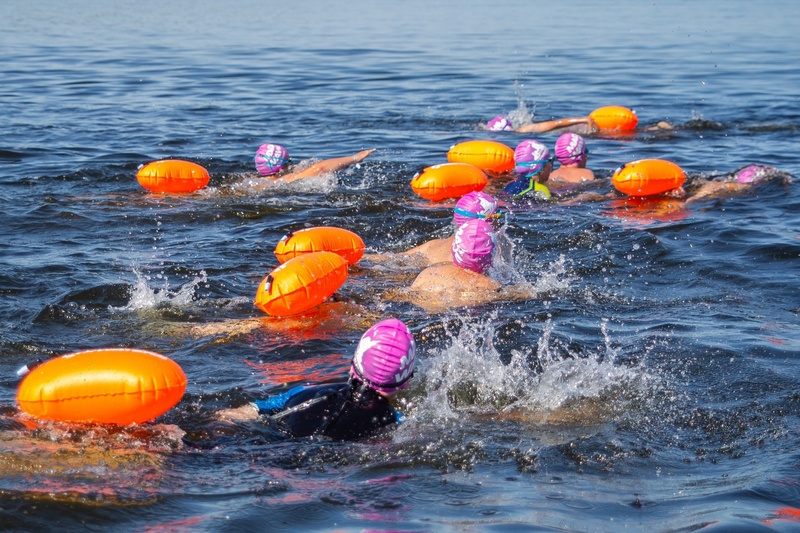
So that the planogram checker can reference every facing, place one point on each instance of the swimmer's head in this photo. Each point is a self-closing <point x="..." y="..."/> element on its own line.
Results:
<point x="385" y="356"/>
<point x="473" y="245"/>
<point x="531" y="157"/>
<point x="500" y="123"/>
<point x="270" y="159"/>
<point x="753" y="173"/>
<point x="570" y="148"/>
<point x="475" y="205"/>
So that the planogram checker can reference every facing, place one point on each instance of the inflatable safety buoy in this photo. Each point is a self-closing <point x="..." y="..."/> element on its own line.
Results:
<point x="489" y="156"/>
<point x="448" y="180"/>
<point x="301" y="283"/>
<point x="172" y="175"/>
<point x="647" y="177"/>
<point x="614" y="117"/>
<point x="108" y="386"/>
<point x="321" y="239"/>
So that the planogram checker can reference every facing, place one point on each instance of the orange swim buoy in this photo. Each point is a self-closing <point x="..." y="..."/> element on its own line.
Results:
<point x="489" y="156"/>
<point x="173" y="176"/>
<point x="318" y="239"/>
<point x="614" y="117"/>
<point x="301" y="283"/>
<point x="108" y="386"/>
<point x="647" y="177"/>
<point x="448" y="180"/>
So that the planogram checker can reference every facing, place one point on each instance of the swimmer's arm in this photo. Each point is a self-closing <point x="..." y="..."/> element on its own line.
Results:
<point x="550" y="125"/>
<point x="588" y="197"/>
<point x="327" y="166"/>
<point x="230" y="327"/>
<point x="248" y="411"/>
<point x="662" y="125"/>
<point x="252" y="410"/>
<point x="715" y="189"/>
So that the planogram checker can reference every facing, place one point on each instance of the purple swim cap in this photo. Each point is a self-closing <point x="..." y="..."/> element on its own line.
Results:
<point x="530" y="156"/>
<point x="474" y="205"/>
<point x="752" y="173"/>
<point x="570" y="148"/>
<point x="385" y="356"/>
<point x="500" y="123"/>
<point x="473" y="245"/>
<point x="270" y="159"/>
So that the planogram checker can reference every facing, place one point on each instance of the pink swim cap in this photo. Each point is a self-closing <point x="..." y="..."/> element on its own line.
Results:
<point x="385" y="356"/>
<point x="570" y="148"/>
<point x="531" y="156"/>
<point x="500" y="123"/>
<point x="270" y="159"/>
<point x="473" y="245"/>
<point x="752" y="173"/>
<point x="476" y="204"/>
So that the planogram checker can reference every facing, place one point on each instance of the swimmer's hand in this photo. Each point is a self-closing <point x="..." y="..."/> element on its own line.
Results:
<point x="362" y="155"/>
<point x="248" y="411"/>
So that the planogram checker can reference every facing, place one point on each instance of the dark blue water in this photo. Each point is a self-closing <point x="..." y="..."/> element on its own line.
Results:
<point x="651" y="384"/>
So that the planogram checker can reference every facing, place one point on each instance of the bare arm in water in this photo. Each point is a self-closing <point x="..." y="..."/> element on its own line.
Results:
<point x="327" y="166"/>
<point x="584" y="124"/>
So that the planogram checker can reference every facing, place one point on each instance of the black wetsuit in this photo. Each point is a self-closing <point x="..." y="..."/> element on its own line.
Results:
<point x="339" y="411"/>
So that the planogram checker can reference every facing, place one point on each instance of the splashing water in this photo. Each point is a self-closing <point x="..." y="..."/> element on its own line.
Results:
<point x="542" y="384"/>
<point x="143" y="296"/>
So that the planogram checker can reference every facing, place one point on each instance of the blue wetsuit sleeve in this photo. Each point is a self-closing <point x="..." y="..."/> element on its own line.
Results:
<point x="399" y="417"/>
<point x="275" y="403"/>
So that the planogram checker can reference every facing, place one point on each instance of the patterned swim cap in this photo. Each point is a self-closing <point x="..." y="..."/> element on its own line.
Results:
<point x="476" y="204"/>
<point x="473" y="245"/>
<point x="500" y="123"/>
<point x="753" y="173"/>
<point x="570" y="148"/>
<point x="530" y="157"/>
<point x="270" y="159"/>
<point x="385" y="356"/>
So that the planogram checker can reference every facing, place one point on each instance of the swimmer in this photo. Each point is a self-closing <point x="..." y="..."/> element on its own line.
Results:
<point x="736" y="182"/>
<point x="272" y="162"/>
<point x="533" y="166"/>
<point x="579" y="125"/>
<point x="582" y="125"/>
<point x="572" y="153"/>
<point x="382" y="366"/>
<point x="462" y="282"/>
<point x="474" y="205"/>
<point x="326" y="319"/>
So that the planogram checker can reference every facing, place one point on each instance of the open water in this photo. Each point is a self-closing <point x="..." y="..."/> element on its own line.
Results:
<point x="651" y="384"/>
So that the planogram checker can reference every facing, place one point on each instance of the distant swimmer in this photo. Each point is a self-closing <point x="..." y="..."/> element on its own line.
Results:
<point x="326" y="319"/>
<point x="737" y="182"/>
<point x="382" y="366"/>
<point x="273" y="163"/>
<point x="463" y="281"/>
<point x="572" y="153"/>
<point x="533" y="165"/>
<point x="474" y="205"/>
<point x="580" y="125"/>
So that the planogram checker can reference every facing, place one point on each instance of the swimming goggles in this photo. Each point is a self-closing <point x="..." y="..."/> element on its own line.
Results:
<point x="469" y="214"/>
<point x="378" y="386"/>
<point x="273" y="160"/>
<point x="535" y="162"/>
